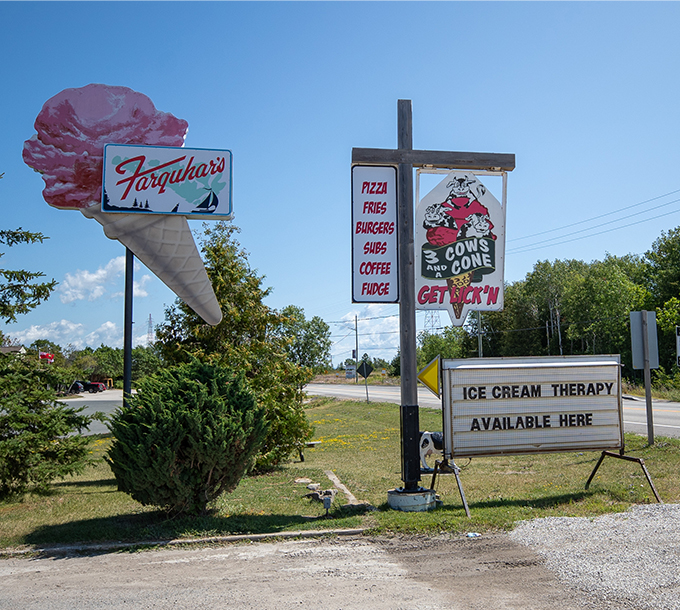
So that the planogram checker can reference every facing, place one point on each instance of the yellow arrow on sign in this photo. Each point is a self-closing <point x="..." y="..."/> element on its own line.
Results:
<point x="430" y="376"/>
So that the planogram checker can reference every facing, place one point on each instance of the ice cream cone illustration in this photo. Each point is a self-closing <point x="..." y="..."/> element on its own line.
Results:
<point x="455" y="286"/>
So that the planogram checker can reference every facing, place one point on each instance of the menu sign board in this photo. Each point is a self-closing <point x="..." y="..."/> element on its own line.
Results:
<point x="375" y="277"/>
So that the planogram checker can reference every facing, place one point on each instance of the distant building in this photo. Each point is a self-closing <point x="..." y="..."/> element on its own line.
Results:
<point x="13" y="349"/>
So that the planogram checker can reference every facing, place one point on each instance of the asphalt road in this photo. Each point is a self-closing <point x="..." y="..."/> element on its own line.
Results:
<point x="666" y="415"/>
<point x="107" y="402"/>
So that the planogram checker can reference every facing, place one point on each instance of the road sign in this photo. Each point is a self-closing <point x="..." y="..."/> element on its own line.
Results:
<point x="365" y="369"/>
<point x="430" y="377"/>
<point x="637" y="343"/>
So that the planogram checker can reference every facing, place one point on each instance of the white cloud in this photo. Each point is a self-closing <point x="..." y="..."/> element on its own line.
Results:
<point x="62" y="332"/>
<point x="89" y="285"/>
<point x="108" y="333"/>
<point x="139" y="289"/>
<point x="65" y="332"/>
<point x="378" y="332"/>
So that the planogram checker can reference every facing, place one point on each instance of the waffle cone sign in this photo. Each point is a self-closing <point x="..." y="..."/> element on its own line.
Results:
<point x="460" y="248"/>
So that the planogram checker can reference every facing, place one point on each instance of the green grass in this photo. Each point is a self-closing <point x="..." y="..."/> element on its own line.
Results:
<point x="360" y="444"/>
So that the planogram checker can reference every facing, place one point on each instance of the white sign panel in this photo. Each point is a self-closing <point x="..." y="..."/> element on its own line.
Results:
<point x="375" y="273"/>
<point x="459" y="248"/>
<point x="192" y="182"/>
<point x="497" y="406"/>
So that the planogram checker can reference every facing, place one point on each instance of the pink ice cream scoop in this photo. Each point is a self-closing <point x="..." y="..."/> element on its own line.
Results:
<point x="73" y="127"/>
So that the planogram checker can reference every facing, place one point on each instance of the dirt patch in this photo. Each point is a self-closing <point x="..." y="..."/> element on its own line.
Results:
<point x="329" y="574"/>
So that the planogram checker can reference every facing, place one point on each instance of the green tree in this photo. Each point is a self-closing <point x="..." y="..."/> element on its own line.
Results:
<point x="309" y="340"/>
<point x="145" y="361"/>
<point x="39" y="439"/>
<point x="109" y="362"/>
<point x="447" y="344"/>
<point x="598" y="303"/>
<point x="49" y="347"/>
<point x="189" y="434"/>
<point x="19" y="290"/>
<point x="664" y="267"/>
<point x="84" y="362"/>
<point x="545" y="288"/>
<point x="517" y="330"/>
<point x="248" y="339"/>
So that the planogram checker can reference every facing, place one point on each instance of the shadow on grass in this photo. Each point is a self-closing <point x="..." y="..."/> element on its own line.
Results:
<point x="94" y="483"/>
<point x="148" y="527"/>
<point x="536" y="502"/>
<point x="545" y="502"/>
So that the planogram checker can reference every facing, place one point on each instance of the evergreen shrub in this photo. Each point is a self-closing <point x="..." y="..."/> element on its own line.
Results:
<point x="190" y="433"/>
<point x="39" y="436"/>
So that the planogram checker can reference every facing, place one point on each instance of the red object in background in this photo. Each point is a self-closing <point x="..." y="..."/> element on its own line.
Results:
<point x="46" y="356"/>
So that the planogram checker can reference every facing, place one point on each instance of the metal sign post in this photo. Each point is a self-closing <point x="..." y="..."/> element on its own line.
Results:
<point x="645" y="348"/>
<point x="405" y="158"/>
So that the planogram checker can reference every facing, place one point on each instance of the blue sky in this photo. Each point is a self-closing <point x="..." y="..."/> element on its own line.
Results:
<point x="584" y="94"/>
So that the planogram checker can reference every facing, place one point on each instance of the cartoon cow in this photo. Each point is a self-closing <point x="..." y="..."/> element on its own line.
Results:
<point x="436" y="216"/>
<point x="466" y="186"/>
<point x="431" y="443"/>
<point x="476" y="225"/>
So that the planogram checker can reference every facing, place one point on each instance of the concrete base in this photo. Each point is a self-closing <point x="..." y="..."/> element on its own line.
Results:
<point x="412" y="501"/>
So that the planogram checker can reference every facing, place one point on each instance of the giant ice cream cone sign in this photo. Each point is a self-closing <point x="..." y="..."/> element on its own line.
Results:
<point x="460" y="248"/>
<point x="73" y="129"/>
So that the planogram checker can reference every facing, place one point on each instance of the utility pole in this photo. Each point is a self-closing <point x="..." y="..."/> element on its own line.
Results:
<point x="409" y="416"/>
<point x="356" y="351"/>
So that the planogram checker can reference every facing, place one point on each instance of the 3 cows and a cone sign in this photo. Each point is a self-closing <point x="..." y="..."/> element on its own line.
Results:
<point x="459" y="248"/>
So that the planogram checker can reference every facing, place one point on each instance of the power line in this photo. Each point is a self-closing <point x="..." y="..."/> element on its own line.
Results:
<point x="580" y="222"/>
<point x="531" y="247"/>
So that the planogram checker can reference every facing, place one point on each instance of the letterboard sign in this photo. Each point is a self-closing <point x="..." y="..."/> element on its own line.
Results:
<point x="498" y="406"/>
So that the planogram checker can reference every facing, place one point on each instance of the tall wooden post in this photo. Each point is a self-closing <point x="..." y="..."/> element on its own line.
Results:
<point x="409" y="417"/>
<point x="405" y="158"/>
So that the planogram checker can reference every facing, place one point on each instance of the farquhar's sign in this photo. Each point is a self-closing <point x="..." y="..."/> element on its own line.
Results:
<point x="192" y="182"/>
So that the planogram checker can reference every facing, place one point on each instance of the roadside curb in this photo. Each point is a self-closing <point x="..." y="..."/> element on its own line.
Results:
<point x="117" y="546"/>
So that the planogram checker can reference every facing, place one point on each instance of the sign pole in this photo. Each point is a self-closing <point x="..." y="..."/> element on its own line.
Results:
<point x="127" y="339"/>
<point x="648" y="379"/>
<point x="409" y="417"/>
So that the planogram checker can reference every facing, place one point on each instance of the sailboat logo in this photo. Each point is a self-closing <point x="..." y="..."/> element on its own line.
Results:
<point x="208" y="205"/>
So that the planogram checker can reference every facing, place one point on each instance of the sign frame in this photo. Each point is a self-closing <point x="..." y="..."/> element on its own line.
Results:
<point x="375" y="259"/>
<point x="576" y="417"/>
